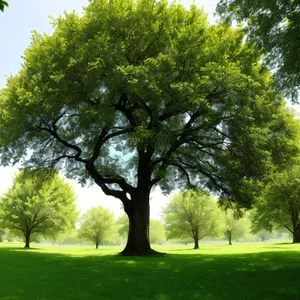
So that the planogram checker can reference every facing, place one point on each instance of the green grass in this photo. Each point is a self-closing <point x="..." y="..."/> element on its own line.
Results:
<point x="254" y="271"/>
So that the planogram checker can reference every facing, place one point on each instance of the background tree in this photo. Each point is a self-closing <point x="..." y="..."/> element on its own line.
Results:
<point x="280" y="203"/>
<point x="123" y="226"/>
<point x="273" y="25"/>
<point x="3" y="4"/>
<point x="38" y="205"/>
<point x="96" y="224"/>
<point x="136" y="94"/>
<point x="157" y="232"/>
<point x="2" y="232"/>
<point x="69" y="237"/>
<point x="191" y="214"/>
<point x="236" y="225"/>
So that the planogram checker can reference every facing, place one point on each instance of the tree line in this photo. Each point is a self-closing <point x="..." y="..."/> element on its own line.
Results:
<point x="42" y="206"/>
<point x="138" y="94"/>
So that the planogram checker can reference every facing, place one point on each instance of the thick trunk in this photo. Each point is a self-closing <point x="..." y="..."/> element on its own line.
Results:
<point x="97" y="245"/>
<point x="296" y="234"/>
<point x="138" y="210"/>
<point x="138" y="236"/>
<point x="27" y="240"/>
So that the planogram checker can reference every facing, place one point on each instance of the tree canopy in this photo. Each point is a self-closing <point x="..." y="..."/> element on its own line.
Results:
<point x="139" y="93"/>
<point x="38" y="205"/>
<point x="96" y="225"/>
<point x="3" y="4"/>
<point x="192" y="214"/>
<point x="273" y="25"/>
<point x="280" y="203"/>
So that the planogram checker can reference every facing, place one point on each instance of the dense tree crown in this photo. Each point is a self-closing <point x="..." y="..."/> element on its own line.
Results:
<point x="192" y="214"/>
<point x="274" y="26"/>
<point x="280" y="203"/>
<point x="38" y="205"/>
<point x="96" y="225"/>
<point x="139" y="93"/>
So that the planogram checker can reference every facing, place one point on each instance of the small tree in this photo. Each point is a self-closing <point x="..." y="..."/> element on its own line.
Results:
<point x="191" y="214"/>
<point x="235" y="225"/>
<point x="96" y="225"/>
<point x="280" y="204"/>
<point x="38" y="204"/>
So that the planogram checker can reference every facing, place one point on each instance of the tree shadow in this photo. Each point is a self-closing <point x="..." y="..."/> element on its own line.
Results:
<point x="36" y="275"/>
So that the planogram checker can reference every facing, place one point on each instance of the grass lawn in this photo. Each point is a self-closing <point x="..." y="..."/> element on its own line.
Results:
<point x="250" y="271"/>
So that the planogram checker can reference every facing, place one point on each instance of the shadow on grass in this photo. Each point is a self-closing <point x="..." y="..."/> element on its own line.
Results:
<point x="189" y="249"/>
<point x="35" y="275"/>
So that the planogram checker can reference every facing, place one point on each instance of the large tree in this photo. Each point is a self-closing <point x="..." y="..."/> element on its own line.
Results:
<point x="139" y="93"/>
<point x="38" y="205"/>
<point x="274" y="27"/>
<point x="96" y="224"/>
<point x="280" y="203"/>
<point x="192" y="214"/>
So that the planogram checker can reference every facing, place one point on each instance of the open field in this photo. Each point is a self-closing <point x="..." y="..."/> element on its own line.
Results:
<point x="243" y="271"/>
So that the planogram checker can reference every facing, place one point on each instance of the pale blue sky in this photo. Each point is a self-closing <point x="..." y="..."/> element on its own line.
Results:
<point x="16" y="24"/>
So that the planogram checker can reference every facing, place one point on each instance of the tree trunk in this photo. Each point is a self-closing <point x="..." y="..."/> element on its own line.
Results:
<point x="138" y="236"/>
<point x="196" y="243"/>
<point x="97" y="245"/>
<point x="138" y="209"/>
<point x="229" y="236"/>
<point x="296" y="234"/>
<point x="27" y="240"/>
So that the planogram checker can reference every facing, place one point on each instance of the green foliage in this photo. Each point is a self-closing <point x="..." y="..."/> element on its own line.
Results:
<point x="135" y="83"/>
<point x="280" y="203"/>
<point x="96" y="225"/>
<point x="6" y="235"/>
<point x="192" y="214"/>
<point x="236" y="226"/>
<point x="3" y="4"/>
<point x="69" y="237"/>
<point x="123" y="226"/>
<point x="157" y="232"/>
<point x="38" y="204"/>
<point x="273" y="25"/>
<point x="2" y="232"/>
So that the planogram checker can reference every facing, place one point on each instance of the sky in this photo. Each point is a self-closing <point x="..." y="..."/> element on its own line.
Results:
<point x="16" y="23"/>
